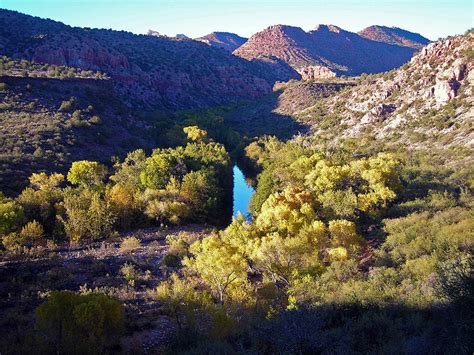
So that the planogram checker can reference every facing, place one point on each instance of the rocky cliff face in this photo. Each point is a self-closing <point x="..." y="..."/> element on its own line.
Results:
<point x="329" y="47"/>
<point x="430" y="100"/>
<point x="394" y="35"/>
<point x="158" y="72"/>
<point x="225" y="40"/>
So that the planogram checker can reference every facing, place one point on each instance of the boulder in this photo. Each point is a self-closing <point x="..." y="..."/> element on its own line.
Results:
<point x="313" y="72"/>
<point x="383" y="109"/>
<point x="445" y="90"/>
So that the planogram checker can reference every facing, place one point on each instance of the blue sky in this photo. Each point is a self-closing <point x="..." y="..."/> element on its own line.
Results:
<point x="432" y="18"/>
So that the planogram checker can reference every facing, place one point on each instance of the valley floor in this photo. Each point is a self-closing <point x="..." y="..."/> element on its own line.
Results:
<point x="129" y="275"/>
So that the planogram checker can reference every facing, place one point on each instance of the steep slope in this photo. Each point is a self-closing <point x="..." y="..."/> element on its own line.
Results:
<point x="427" y="102"/>
<point x="225" y="40"/>
<point x="50" y="116"/>
<point x="394" y="35"/>
<point x="324" y="52"/>
<point x="158" y="72"/>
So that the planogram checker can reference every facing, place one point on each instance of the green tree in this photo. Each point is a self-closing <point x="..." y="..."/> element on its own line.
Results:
<point x="70" y="323"/>
<point x="11" y="215"/>
<point x="86" y="173"/>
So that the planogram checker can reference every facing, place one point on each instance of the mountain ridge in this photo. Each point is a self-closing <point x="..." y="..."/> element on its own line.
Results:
<point x="158" y="72"/>
<point x="325" y="51"/>
<point x="394" y="35"/>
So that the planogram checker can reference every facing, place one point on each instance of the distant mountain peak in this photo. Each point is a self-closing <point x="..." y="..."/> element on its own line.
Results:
<point x="226" y="40"/>
<point x="330" y="28"/>
<point x="394" y="35"/>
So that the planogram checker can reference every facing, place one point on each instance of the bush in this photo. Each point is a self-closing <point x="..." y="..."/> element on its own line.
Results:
<point x="95" y="120"/>
<point x="72" y="323"/>
<point x="171" y="260"/>
<point x="67" y="106"/>
<point x="129" y="273"/>
<point x="129" y="244"/>
<point x="31" y="235"/>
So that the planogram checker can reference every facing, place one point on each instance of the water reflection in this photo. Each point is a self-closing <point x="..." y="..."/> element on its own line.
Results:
<point x="242" y="193"/>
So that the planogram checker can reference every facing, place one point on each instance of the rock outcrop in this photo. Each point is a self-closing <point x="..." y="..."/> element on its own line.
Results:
<point x="314" y="72"/>
<point x="430" y="100"/>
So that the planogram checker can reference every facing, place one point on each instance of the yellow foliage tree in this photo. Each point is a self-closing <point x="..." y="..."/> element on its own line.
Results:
<point x="195" y="133"/>
<point x="219" y="264"/>
<point x="86" y="173"/>
<point x="286" y="212"/>
<point x="344" y="234"/>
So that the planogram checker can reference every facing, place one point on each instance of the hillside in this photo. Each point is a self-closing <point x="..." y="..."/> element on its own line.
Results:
<point x="427" y="102"/>
<point x="324" y="52"/>
<point x="394" y="35"/>
<point x="158" y="72"/>
<point x="228" y="41"/>
<point x="53" y="115"/>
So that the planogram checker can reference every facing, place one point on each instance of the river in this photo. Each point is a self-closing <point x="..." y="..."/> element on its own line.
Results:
<point x="242" y="193"/>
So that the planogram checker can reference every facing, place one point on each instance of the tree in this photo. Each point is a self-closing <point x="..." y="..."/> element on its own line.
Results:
<point x="160" y="167"/>
<point x="219" y="264"/>
<point x="286" y="212"/>
<point x="344" y="234"/>
<point x="167" y="210"/>
<point x="180" y="299"/>
<point x="45" y="182"/>
<point x="282" y="257"/>
<point x="88" y="215"/>
<point x="40" y="200"/>
<point x="72" y="323"/>
<point x="100" y="218"/>
<point x="86" y="173"/>
<point x="123" y="203"/>
<point x="128" y="172"/>
<point x="194" y="133"/>
<point x="11" y="215"/>
<point x="202" y="191"/>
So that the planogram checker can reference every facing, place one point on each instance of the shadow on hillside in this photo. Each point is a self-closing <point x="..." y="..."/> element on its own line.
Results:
<point x="347" y="329"/>
<point x="257" y="118"/>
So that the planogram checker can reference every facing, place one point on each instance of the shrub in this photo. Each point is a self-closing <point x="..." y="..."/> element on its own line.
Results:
<point x="67" y="106"/>
<point x="95" y="120"/>
<point x="129" y="244"/>
<point x="129" y="273"/>
<point x="72" y="323"/>
<point x="3" y="86"/>
<point x="172" y="260"/>
<point x="31" y="235"/>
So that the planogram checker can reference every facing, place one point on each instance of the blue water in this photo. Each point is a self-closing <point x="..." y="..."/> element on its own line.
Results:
<point x="242" y="193"/>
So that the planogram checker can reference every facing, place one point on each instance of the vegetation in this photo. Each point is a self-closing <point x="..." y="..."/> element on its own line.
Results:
<point x="171" y="186"/>
<point x="362" y="252"/>
<point x="79" y="324"/>
<point x="354" y="245"/>
<point x="25" y="68"/>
